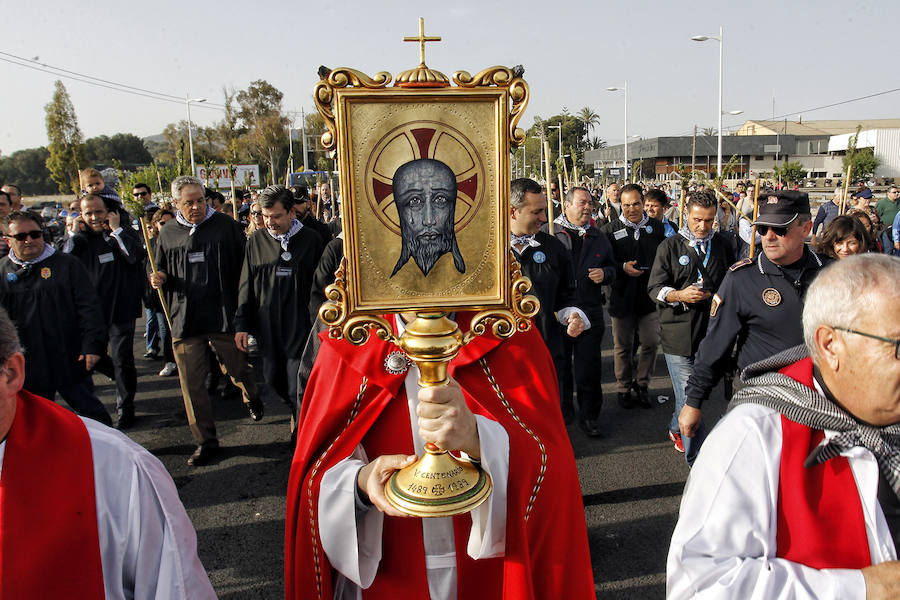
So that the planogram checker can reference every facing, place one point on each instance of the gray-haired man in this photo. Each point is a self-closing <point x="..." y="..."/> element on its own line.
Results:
<point x="794" y="493"/>
<point x="199" y="256"/>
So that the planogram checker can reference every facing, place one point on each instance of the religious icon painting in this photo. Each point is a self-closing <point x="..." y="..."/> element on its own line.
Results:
<point x="424" y="167"/>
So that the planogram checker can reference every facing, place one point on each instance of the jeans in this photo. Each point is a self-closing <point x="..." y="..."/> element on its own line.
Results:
<point x="154" y="335"/>
<point x="680" y="368"/>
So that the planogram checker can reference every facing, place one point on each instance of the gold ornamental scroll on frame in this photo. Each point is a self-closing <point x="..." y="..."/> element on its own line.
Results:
<point x="424" y="172"/>
<point x="469" y="128"/>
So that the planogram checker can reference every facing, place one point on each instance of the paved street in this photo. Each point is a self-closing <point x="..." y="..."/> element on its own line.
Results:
<point x="631" y="481"/>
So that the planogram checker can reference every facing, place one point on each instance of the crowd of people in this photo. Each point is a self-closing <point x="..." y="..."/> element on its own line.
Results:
<point x="726" y="283"/>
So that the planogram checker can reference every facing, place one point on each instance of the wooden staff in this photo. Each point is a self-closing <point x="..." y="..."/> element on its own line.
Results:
<point x="846" y="191"/>
<point x="737" y="211"/>
<point x="152" y="260"/>
<point x="231" y="173"/>
<point x="681" y="207"/>
<point x="755" y="216"/>
<point x="549" y="195"/>
<point x="566" y="171"/>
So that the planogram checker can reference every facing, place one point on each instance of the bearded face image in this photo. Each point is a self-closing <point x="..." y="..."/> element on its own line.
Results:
<point x="425" y="195"/>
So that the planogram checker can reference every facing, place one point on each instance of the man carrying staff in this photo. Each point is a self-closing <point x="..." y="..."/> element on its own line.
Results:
<point x="199" y="257"/>
<point x="795" y="492"/>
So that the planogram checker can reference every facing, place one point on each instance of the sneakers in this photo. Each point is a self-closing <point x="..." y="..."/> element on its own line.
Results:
<point x="168" y="370"/>
<point x="675" y="438"/>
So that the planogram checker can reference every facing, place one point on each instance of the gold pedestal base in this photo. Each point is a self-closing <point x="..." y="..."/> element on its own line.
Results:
<point x="438" y="485"/>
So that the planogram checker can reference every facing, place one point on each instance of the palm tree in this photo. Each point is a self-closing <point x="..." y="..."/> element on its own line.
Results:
<point x="708" y="131"/>
<point x="590" y="118"/>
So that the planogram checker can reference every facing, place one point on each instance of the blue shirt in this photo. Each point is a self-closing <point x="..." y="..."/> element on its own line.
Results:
<point x="827" y="212"/>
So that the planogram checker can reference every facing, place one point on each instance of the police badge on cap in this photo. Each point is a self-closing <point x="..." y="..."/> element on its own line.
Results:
<point x="780" y="209"/>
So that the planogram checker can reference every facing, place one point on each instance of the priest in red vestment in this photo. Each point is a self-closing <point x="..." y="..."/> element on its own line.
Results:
<point x="795" y="492"/>
<point x="364" y="416"/>
<point x="85" y="513"/>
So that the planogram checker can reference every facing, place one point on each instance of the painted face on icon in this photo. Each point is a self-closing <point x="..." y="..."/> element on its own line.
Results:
<point x="425" y="195"/>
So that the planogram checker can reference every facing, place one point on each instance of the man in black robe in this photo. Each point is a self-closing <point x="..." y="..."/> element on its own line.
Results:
<point x="57" y="314"/>
<point x="113" y="256"/>
<point x="279" y="263"/>
<point x="545" y="261"/>
<point x="199" y="257"/>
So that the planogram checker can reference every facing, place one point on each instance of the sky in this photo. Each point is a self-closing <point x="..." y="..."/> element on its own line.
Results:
<point x="806" y="53"/>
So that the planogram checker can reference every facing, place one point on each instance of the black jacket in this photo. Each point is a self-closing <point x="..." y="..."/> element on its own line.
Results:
<point x="596" y="252"/>
<point x="57" y="314"/>
<point x="677" y="266"/>
<point x="202" y="274"/>
<point x="549" y="266"/>
<point x="118" y="277"/>
<point x="628" y="295"/>
<point x="274" y="292"/>
<point x="324" y="275"/>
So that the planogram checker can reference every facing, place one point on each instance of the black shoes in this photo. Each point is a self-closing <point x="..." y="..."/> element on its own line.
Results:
<point x="151" y="355"/>
<point x="256" y="409"/>
<point x="642" y="398"/>
<point x="203" y="454"/>
<point x="590" y="428"/>
<point x="625" y="400"/>
<point x="125" y="420"/>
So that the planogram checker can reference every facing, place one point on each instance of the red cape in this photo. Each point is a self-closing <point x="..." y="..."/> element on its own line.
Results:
<point x="546" y="553"/>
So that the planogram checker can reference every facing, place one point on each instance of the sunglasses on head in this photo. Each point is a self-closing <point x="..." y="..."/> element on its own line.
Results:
<point x="779" y="231"/>
<point x="37" y="233"/>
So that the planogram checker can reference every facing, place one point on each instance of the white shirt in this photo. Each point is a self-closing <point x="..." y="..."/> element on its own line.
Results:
<point x="353" y="546"/>
<point x="724" y="545"/>
<point x="148" y="548"/>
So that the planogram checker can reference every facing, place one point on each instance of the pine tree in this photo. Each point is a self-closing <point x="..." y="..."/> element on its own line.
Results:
<point x="66" y="141"/>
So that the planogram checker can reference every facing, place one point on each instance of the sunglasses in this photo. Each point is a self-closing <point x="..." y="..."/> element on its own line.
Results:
<point x="255" y="213"/>
<point x="36" y="234"/>
<point x="779" y="231"/>
<point x="140" y="194"/>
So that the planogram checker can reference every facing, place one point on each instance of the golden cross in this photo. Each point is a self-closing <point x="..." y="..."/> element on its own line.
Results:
<point x="421" y="38"/>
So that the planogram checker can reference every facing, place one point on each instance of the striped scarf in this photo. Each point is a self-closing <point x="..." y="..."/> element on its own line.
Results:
<point x="803" y="404"/>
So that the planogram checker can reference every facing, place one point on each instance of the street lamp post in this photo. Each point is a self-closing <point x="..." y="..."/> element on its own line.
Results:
<point x="187" y="103"/>
<point x="721" y="39"/>
<point x="623" y="88"/>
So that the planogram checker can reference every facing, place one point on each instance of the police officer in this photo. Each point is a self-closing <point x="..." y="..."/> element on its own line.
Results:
<point x="759" y="303"/>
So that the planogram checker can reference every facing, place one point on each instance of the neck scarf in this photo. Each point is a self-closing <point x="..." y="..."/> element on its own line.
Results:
<point x="180" y="218"/>
<point x="523" y="240"/>
<point x="698" y="244"/>
<point x="635" y="226"/>
<point x="563" y="220"/>
<point x="805" y="405"/>
<point x="285" y="238"/>
<point x="48" y="251"/>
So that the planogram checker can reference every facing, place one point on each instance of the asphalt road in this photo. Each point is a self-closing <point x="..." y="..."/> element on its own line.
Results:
<point x="631" y="481"/>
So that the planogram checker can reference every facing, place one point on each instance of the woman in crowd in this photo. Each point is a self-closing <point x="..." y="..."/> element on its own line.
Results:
<point x="844" y="236"/>
<point x="879" y="238"/>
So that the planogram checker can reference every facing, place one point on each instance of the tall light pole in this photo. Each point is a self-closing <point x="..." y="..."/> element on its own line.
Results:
<point x="721" y="39"/>
<point x="623" y="88"/>
<point x="187" y="102"/>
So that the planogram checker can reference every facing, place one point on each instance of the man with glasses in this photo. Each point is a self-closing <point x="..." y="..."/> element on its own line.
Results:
<point x="887" y="208"/>
<point x="58" y="315"/>
<point x="759" y="303"/>
<point x="795" y="492"/>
